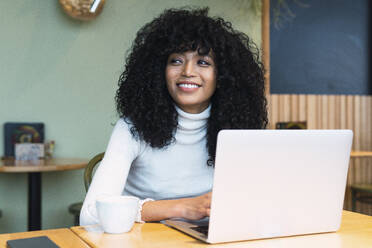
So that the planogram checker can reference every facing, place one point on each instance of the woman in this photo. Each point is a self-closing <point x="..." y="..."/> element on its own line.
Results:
<point x="187" y="77"/>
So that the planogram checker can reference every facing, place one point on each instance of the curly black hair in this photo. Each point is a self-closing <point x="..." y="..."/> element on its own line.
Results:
<point x="142" y="98"/>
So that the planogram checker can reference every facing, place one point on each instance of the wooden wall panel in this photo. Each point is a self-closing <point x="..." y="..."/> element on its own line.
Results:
<point x="332" y="112"/>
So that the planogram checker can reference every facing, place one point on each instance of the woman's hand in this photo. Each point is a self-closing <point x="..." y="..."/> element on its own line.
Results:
<point x="195" y="208"/>
<point x="192" y="208"/>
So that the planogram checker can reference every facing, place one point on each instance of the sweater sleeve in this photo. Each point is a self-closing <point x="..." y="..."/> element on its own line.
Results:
<point x="111" y="175"/>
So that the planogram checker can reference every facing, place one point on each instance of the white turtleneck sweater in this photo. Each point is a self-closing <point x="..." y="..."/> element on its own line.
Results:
<point x="132" y="167"/>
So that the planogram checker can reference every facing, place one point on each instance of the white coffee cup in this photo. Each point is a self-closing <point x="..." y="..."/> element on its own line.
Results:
<point x="117" y="213"/>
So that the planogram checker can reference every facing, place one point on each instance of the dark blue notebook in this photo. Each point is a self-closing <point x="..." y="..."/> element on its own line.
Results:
<point x="36" y="242"/>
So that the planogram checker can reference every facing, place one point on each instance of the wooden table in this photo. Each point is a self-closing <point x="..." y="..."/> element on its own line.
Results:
<point x="355" y="232"/>
<point x="62" y="237"/>
<point x="34" y="169"/>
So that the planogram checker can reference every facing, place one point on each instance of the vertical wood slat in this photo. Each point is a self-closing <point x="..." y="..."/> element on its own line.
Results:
<point x="350" y="125"/>
<point x="302" y="108"/>
<point x="332" y="112"/>
<point x="294" y="115"/>
<point x="323" y="112"/>
<point x="311" y="117"/>
<point x="332" y="109"/>
<point x="363" y="176"/>
<point x="357" y="142"/>
<point x="368" y="141"/>
<point x="286" y="107"/>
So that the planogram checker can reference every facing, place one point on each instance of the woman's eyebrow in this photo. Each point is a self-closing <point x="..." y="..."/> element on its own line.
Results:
<point x="209" y="56"/>
<point x="174" y="55"/>
<point x="177" y="55"/>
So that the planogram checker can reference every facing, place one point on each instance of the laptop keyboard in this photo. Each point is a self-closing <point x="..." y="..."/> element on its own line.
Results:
<point x="201" y="229"/>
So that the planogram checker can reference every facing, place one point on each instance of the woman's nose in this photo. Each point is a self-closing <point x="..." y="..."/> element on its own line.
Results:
<point x="188" y="69"/>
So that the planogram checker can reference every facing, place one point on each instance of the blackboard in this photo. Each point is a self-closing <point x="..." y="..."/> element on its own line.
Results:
<point x="323" y="49"/>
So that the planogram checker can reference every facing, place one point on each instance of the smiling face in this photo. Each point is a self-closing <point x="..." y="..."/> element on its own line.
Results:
<point x="191" y="80"/>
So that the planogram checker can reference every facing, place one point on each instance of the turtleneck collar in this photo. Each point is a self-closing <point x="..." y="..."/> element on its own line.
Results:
<point x="191" y="127"/>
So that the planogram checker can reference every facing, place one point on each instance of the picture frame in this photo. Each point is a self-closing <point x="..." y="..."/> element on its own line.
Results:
<point x="21" y="132"/>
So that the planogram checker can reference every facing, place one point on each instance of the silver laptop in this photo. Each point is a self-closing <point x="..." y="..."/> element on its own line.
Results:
<point x="275" y="183"/>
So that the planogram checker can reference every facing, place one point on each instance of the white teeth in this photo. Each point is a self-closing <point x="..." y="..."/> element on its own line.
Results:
<point x="189" y="85"/>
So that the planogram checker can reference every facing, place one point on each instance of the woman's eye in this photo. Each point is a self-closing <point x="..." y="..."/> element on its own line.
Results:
<point x="203" y="62"/>
<point x="176" y="61"/>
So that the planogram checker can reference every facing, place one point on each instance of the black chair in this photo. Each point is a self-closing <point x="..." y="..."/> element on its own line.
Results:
<point x="360" y="193"/>
<point x="75" y="208"/>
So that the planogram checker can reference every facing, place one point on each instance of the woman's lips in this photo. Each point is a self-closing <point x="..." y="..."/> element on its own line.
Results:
<point x="188" y="86"/>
